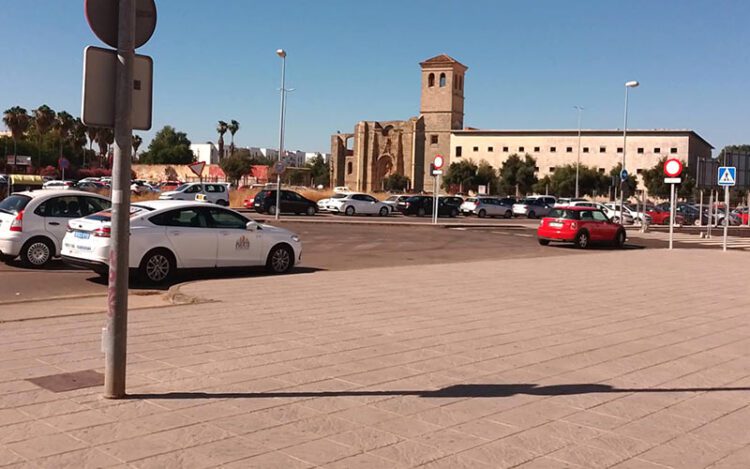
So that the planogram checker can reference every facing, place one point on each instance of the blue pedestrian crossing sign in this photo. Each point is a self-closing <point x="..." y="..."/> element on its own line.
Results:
<point x="727" y="175"/>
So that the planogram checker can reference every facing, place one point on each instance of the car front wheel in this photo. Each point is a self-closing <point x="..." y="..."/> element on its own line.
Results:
<point x="280" y="259"/>
<point x="384" y="211"/>
<point x="157" y="266"/>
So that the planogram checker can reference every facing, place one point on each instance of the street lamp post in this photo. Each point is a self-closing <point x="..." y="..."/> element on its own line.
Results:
<point x="628" y="85"/>
<point x="281" y="53"/>
<point x="578" y="160"/>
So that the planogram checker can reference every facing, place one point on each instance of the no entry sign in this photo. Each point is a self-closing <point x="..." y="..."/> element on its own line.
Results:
<point x="672" y="167"/>
<point x="438" y="162"/>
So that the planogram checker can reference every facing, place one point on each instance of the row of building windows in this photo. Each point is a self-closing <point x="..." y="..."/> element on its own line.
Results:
<point x="639" y="150"/>
<point x="601" y="170"/>
<point x="458" y="82"/>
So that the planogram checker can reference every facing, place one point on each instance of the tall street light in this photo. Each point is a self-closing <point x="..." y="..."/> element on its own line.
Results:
<point x="628" y="85"/>
<point x="281" y="53"/>
<point x="578" y="160"/>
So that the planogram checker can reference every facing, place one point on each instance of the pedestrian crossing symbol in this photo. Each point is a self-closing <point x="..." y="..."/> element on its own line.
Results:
<point x="727" y="175"/>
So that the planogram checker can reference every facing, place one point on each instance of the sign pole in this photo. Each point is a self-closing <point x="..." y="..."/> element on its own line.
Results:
<point x="115" y="343"/>
<point x="671" y="215"/>
<point x="726" y="217"/>
<point x="435" y="201"/>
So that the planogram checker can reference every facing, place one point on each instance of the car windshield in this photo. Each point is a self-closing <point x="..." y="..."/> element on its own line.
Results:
<point x="568" y="214"/>
<point x="339" y="196"/>
<point x="528" y="201"/>
<point x="181" y="187"/>
<point x="15" y="203"/>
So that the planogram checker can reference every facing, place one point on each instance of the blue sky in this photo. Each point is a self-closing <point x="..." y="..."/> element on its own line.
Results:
<point x="529" y="63"/>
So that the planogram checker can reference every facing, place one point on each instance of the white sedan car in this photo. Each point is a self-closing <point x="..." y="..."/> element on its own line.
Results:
<point x="354" y="203"/>
<point x="167" y="235"/>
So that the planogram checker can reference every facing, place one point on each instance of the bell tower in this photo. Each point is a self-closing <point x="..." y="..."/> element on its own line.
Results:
<point x="442" y="107"/>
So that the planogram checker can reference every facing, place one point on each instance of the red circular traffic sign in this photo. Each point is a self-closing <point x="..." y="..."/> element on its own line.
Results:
<point x="103" y="17"/>
<point x="438" y="162"/>
<point x="673" y="167"/>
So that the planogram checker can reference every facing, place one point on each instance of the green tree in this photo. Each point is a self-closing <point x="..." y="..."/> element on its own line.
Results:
<point x="44" y="118"/>
<point x="486" y="175"/>
<point x="518" y="175"/>
<point x="320" y="170"/>
<point x="104" y="138"/>
<point x="63" y="126"/>
<point x="733" y="149"/>
<point x="233" y="127"/>
<point x="462" y="174"/>
<point x="653" y="179"/>
<point x="221" y="128"/>
<point x="169" y="147"/>
<point x="562" y="182"/>
<point x="78" y="138"/>
<point x="395" y="183"/>
<point x="237" y="165"/>
<point x="17" y="120"/>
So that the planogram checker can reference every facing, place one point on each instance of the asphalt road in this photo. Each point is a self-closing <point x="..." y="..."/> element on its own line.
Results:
<point x="331" y="246"/>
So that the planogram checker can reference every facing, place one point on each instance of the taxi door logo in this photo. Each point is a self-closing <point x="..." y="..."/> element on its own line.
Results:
<point x="242" y="244"/>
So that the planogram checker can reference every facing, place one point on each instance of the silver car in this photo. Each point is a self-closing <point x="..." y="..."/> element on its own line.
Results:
<point x="534" y="207"/>
<point x="493" y="207"/>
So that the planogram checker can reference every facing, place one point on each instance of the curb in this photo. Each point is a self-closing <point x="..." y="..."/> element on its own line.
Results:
<point x="394" y="223"/>
<point x="54" y="298"/>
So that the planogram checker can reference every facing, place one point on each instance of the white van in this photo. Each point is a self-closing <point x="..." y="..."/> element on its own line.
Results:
<point x="215" y="192"/>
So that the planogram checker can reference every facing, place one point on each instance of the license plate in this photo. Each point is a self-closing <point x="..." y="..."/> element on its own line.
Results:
<point x="82" y="234"/>
<point x="555" y="224"/>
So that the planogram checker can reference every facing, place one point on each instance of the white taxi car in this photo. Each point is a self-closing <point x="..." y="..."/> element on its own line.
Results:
<point x="216" y="193"/>
<point x="353" y="203"/>
<point x="170" y="235"/>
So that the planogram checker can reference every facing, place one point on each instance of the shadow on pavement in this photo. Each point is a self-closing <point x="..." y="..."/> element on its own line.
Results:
<point x="206" y="274"/>
<point x="457" y="391"/>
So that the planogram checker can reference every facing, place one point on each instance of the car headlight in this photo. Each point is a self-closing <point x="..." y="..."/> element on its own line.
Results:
<point x="295" y="238"/>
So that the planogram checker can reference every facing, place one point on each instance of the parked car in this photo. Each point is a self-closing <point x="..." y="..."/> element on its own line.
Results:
<point x="661" y="217"/>
<point x="634" y="215"/>
<point x="291" y="202"/>
<point x="216" y="193"/>
<point x="353" y="203"/>
<point x="567" y="201"/>
<point x="394" y="200"/>
<point x="581" y="226"/>
<point x="169" y="235"/>
<point x="533" y="207"/>
<point x="90" y="186"/>
<point x="422" y="205"/>
<point x="142" y="187"/>
<point x="33" y="224"/>
<point x="58" y="184"/>
<point x="488" y="207"/>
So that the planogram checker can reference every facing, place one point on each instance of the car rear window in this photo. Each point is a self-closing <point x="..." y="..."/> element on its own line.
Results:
<point x="568" y="214"/>
<point x="15" y="203"/>
<point x="106" y="215"/>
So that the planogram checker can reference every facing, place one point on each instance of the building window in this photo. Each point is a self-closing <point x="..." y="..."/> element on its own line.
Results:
<point x="490" y="149"/>
<point x="349" y="168"/>
<point x="585" y="149"/>
<point x="638" y="171"/>
<point x="601" y="170"/>
<point x="476" y="148"/>
<point x="536" y="149"/>
<point x="536" y="168"/>
<point x="433" y="139"/>
<point x="520" y="149"/>
<point x="673" y="150"/>
<point x="640" y="150"/>
<point x="552" y="169"/>
<point x="505" y="149"/>
<point x="657" y="150"/>
<point x="431" y="80"/>
<point x="460" y="82"/>
<point x="552" y="149"/>
<point x="459" y="151"/>
<point x="602" y="149"/>
<point x="569" y="149"/>
<point x="442" y="80"/>
<point x="619" y="149"/>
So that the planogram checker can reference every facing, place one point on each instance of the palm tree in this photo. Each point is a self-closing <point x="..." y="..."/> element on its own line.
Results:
<point x="17" y="120"/>
<point x="91" y="133"/>
<point x="44" y="117"/>
<point x="233" y="127"/>
<point x="222" y="129"/>
<point x="79" y="138"/>
<point x="137" y="140"/>
<point x="104" y="138"/>
<point x="63" y="125"/>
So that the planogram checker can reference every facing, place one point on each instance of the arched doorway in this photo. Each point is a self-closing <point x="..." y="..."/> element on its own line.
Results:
<point x="383" y="168"/>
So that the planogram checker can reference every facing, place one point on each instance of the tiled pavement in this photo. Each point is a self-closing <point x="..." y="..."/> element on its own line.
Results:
<point x="632" y="359"/>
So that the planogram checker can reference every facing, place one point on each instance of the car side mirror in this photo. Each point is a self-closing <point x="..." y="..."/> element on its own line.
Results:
<point x="252" y="226"/>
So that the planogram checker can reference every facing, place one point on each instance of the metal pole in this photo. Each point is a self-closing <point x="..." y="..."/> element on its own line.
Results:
<point x="710" y="213"/>
<point x="748" y="208"/>
<point x="643" y="213"/>
<point x="671" y="215"/>
<point x="726" y="216"/>
<point x="624" y="150"/>
<point x="281" y="134"/>
<point x="435" y="202"/>
<point x="115" y="343"/>
<point x="578" y="160"/>
<point x="700" y="210"/>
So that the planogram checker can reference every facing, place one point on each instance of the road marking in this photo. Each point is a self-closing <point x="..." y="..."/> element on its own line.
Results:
<point x="524" y="235"/>
<point x="733" y="242"/>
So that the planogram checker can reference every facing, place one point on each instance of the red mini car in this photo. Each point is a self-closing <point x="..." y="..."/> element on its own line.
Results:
<point x="580" y="226"/>
<point x="249" y="202"/>
<point x="661" y="217"/>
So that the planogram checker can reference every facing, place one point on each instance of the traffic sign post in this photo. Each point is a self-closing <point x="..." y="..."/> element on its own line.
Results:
<point x="197" y="169"/>
<point x="436" y="167"/>
<point x="727" y="177"/>
<point x="64" y="164"/>
<point x="672" y="171"/>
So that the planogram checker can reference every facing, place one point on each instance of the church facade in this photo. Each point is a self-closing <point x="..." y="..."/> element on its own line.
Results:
<point x="361" y="160"/>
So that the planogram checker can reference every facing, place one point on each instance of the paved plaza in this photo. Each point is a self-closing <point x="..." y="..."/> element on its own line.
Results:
<point x="629" y="359"/>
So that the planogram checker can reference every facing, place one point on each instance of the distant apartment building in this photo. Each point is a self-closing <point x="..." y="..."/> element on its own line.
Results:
<point x="600" y="149"/>
<point x="205" y="152"/>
